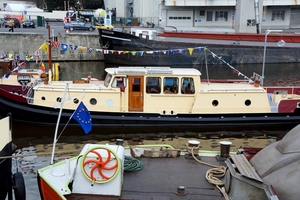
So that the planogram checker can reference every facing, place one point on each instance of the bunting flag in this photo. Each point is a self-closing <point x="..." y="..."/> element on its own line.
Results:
<point x="120" y="52"/>
<point x="141" y="53"/>
<point x="42" y="67"/>
<point x="235" y="71"/>
<point x="55" y="44"/>
<point x="99" y="50"/>
<point x="64" y="47"/>
<point x="191" y="51"/>
<point x="3" y="55"/>
<point x="90" y="50"/>
<point x="133" y="53"/>
<point x="106" y="51"/>
<point x="73" y="47"/>
<point x="44" y="48"/>
<point x="82" y="48"/>
<point x="21" y="57"/>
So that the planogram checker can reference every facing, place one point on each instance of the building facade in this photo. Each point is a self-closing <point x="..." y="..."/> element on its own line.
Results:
<point x="239" y="15"/>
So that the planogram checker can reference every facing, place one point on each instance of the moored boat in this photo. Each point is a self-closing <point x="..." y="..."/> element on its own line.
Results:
<point x="18" y="80"/>
<point x="137" y="46"/>
<point x="119" y="171"/>
<point x="9" y="181"/>
<point x="160" y="96"/>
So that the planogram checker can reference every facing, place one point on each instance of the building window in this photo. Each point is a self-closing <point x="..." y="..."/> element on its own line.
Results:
<point x="209" y="16"/>
<point x="278" y="15"/>
<point x="221" y="16"/>
<point x="202" y="13"/>
<point x="250" y="22"/>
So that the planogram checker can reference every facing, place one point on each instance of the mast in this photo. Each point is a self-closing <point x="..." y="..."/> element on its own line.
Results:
<point x="49" y="48"/>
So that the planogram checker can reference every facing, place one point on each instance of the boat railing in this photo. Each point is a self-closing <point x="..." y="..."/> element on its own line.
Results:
<point x="236" y="90"/>
<point x="30" y="92"/>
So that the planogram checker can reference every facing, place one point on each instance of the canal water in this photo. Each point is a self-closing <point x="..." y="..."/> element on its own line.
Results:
<point x="37" y="141"/>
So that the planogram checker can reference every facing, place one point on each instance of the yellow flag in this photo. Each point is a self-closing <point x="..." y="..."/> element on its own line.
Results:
<point x="191" y="51"/>
<point x="82" y="48"/>
<point x="44" y="47"/>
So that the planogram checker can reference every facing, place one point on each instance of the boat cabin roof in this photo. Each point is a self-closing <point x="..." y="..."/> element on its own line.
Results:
<point x="153" y="70"/>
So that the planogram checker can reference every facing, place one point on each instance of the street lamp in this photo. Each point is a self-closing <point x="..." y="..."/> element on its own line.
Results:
<point x="280" y="43"/>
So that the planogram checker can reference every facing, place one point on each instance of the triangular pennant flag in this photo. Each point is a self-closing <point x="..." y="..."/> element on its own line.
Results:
<point x="73" y="47"/>
<point x="105" y="51"/>
<point x="120" y="52"/>
<point x="191" y="51"/>
<point x="44" y="47"/>
<point x="90" y="50"/>
<point x="133" y="53"/>
<point x="141" y="53"/>
<point x="149" y="52"/>
<point x="99" y="50"/>
<point x="82" y="48"/>
<point x="64" y="47"/>
<point x="56" y="44"/>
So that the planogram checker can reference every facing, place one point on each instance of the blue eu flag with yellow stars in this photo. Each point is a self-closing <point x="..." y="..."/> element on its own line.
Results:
<point x="83" y="117"/>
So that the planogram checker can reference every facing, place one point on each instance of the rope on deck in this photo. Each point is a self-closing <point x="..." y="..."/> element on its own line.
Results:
<point x="132" y="164"/>
<point x="212" y="175"/>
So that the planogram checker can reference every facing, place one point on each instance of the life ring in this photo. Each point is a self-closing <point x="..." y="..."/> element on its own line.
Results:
<point x="19" y="186"/>
<point x="56" y="72"/>
<point x="100" y="164"/>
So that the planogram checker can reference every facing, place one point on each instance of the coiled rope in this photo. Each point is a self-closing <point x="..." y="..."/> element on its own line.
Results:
<point x="212" y="175"/>
<point x="132" y="164"/>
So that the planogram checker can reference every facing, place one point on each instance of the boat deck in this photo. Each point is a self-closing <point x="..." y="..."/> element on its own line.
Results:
<point x="160" y="178"/>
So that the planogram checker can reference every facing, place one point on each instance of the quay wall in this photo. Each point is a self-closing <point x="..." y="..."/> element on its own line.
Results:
<point x="27" y="44"/>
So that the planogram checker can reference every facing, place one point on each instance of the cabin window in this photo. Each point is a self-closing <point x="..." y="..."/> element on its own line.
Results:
<point x="118" y="81"/>
<point x="187" y="86"/>
<point x="76" y="101"/>
<point x="171" y="85"/>
<point x="136" y="85"/>
<point x="248" y="102"/>
<point x="215" y="102"/>
<point x="93" y="101"/>
<point x="107" y="80"/>
<point x="153" y="84"/>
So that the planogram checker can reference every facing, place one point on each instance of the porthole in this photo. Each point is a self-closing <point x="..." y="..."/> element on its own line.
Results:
<point x="43" y="98"/>
<point x="58" y="99"/>
<point x="76" y="101"/>
<point x="247" y="102"/>
<point x="93" y="101"/>
<point x="215" y="102"/>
